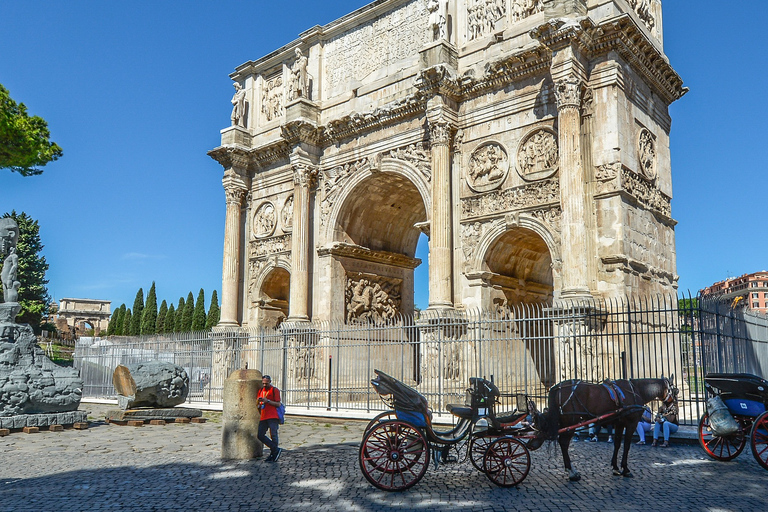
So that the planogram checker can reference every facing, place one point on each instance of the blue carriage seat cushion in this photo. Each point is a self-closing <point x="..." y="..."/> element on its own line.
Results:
<point x="744" y="407"/>
<point x="415" y="418"/>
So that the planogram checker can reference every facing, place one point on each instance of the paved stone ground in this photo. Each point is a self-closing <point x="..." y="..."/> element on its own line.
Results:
<point x="177" y="467"/>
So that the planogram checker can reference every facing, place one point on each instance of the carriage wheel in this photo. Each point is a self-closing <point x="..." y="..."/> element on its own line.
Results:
<point x="759" y="440"/>
<point x="394" y="455"/>
<point x="507" y="462"/>
<point x="720" y="447"/>
<point x="477" y="448"/>
<point x="379" y="418"/>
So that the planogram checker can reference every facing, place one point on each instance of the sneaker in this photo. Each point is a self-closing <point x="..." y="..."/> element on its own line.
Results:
<point x="640" y="443"/>
<point x="277" y="454"/>
<point x="271" y="458"/>
<point x="593" y="439"/>
<point x="610" y="439"/>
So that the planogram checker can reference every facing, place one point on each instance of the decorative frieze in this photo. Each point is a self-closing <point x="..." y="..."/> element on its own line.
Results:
<point x="482" y="16"/>
<point x="268" y="246"/>
<point x="264" y="220"/>
<point x="521" y="9"/>
<point x="415" y="154"/>
<point x="530" y="195"/>
<point x="371" y="298"/>
<point x="537" y="155"/>
<point x="332" y="181"/>
<point x="359" y="122"/>
<point x="272" y="97"/>
<point x="644" y="10"/>
<point x="488" y="167"/>
<point x="646" y="193"/>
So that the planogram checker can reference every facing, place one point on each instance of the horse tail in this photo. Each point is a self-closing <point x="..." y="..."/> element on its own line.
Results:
<point x="552" y="423"/>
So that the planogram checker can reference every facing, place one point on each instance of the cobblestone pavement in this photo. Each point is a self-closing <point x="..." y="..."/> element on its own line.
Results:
<point x="177" y="467"/>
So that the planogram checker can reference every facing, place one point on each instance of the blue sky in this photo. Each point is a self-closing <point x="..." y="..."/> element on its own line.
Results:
<point x="136" y="93"/>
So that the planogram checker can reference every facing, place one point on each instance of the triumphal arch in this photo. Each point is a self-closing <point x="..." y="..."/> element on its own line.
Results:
<point x="529" y="139"/>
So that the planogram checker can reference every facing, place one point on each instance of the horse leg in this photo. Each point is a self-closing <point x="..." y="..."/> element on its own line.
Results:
<point x="565" y="441"/>
<point x="617" y="434"/>
<point x="627" y="444"/>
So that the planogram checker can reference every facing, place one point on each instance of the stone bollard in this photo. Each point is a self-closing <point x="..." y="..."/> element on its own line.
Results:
<point x="241" y="416"/>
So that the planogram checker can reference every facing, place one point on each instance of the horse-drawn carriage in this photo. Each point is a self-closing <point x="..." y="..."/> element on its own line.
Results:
<point x="723" y="431"/>
<point x="399" y="444"/>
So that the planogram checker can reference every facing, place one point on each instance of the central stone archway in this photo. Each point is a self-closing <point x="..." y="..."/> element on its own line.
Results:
<point x="374" y="229"/>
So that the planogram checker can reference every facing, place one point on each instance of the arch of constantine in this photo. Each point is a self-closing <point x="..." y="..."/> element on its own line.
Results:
<point x="529" y="139"/>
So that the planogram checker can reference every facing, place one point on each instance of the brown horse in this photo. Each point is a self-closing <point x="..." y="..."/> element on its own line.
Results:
<point x="618" y="402"/>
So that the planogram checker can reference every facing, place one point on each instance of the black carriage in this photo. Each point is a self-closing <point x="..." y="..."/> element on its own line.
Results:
<point x="746" y="398"/>
<point x="399" y="444"/>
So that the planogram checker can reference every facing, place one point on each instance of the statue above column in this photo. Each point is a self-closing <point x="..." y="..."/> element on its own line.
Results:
<point x="9" y="236"/>
<point x="298" y="85"/>
<point x="437" y="21"/>
<point x="238" y="106"/>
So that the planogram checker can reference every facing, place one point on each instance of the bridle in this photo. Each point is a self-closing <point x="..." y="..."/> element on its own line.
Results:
<point x="670" y="391"/>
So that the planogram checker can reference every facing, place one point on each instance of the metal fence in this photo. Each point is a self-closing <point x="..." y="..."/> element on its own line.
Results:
<point x="523" y="349"/>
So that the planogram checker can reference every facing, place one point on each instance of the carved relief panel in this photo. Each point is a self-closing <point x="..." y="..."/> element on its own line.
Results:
<point x="264" y="220"/>
<point x="644" y="10"/>
<point x="371" y="298"/>
<point x="482" y="16"/>
<point x="646" y="153"/>
<point x="286" y="215"/>
<point x="488" y="167"/>
<point x="272" y="97"/>
<point x="332" y="181"/>
<point x="537" y="155"/>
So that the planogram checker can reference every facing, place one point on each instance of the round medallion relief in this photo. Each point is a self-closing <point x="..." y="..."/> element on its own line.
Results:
<point x="646" y="153"/>
<point x="286" y="215"/>
<point x="264" y="220"/>
<point x="537" y="155"/>
<point x="488" y="167"/>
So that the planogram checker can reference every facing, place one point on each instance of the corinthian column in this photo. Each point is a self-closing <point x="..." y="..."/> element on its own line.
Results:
<point x="304" y="180"/>
<point x="572" y="189"/>
<point x="235" y="191"/>
<point x="440" y="230"/>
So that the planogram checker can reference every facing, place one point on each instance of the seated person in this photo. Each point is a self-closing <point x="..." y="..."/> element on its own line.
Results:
<point x="666" y="421"/>
<point x="644" y="425"/>
<point x="594" y="431"/>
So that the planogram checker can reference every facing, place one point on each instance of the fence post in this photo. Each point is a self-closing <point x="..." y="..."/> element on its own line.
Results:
<point x="330" y="379"/>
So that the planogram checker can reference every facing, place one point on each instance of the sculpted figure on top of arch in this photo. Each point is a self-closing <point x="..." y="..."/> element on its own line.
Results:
<point x="488" y="166"/>
<point x="238" y="106"/>
<point x="299" y="81"/>
<point x="437" y="23"/>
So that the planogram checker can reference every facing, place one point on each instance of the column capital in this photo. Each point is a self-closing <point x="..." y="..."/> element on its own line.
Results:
<point x="235" y="190"/>
<point x="568" y="92"/>
<point x="440" y="134"/>
<point x="305" y="175"/>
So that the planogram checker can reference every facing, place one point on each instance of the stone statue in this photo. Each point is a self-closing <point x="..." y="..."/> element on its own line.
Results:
<point x="9" y="235"/>
<point x="436" y="20"/>
<point x="298" y="87"/>
<point x="150" y="384"/>
<point x="238" y="106"/>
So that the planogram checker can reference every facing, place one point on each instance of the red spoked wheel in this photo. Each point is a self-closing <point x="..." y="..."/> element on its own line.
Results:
<point x="380" y="418"/>
<point x="477" y="448"/>
<point x="720" y="447"/>
<point x="507" y="462"/>
<point x="394" y="455"/>
<point x="759" y="440"/>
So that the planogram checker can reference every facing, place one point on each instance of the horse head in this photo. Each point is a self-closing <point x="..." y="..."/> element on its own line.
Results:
<point x="670" y="390"/>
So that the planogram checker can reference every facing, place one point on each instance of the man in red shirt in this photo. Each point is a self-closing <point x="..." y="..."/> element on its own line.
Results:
<point x="269" y="399"/>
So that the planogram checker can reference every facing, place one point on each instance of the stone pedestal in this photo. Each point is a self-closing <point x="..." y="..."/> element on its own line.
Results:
<point x="169" y="414"/>
<point x="241" y="416"/>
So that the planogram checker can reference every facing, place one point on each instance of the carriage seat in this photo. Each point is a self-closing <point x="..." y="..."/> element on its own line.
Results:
<point x="409" y="404"/>
<point x="739" y="385"/>
<point x="460" y="411"/>
<point x="511" y="418"/>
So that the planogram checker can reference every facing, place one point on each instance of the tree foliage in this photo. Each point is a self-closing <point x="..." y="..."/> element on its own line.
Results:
<point x="24" y="140"/>
<point x="127" y="321"/>
<point x="170" y="320"/>
<point x="189" y="311"/>
<point x="33" y="294"/>
<point x="149" y="315"/>
<point x="134" y="328"/>
<point x="179" y="325"/>
<point x="214" y="313"/>
<point x="160" y="322"/>
<point x="198" y="317"/>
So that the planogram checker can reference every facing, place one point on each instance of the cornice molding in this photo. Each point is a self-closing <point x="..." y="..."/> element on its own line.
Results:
<point x="356" y="123"/>
<point x="363" y="253"/>
<point x="439" y="80"/>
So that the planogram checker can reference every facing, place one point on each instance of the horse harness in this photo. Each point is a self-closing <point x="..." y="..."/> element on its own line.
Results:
<point x="614" y="392"/>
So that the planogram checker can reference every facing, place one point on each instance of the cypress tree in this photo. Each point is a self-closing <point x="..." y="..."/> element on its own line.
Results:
<point x="170" y="320"/>
<point x="121" y="322"/>
<point x="160" y="323"/>
<point x="189" y="310"/>
<point x="179" y="325"/>
<point x="198" y="317"/>
<point x="127" y="319"/>
<point x="213" y="312"/>
<point x="149" y="316"/>
<point x="113" y="322"/>
<point x="138" y="309"/>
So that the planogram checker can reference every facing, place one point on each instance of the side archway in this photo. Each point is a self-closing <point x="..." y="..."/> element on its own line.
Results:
<point x="270" y="292"/>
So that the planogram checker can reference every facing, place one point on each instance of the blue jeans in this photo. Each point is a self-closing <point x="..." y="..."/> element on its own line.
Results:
<point x="668" y="426"/>
<point x="271" y="424"/>
<point x="642" y="428"/>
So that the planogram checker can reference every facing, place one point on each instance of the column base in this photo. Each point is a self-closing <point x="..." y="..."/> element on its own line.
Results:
<point x="576" y="294"/>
